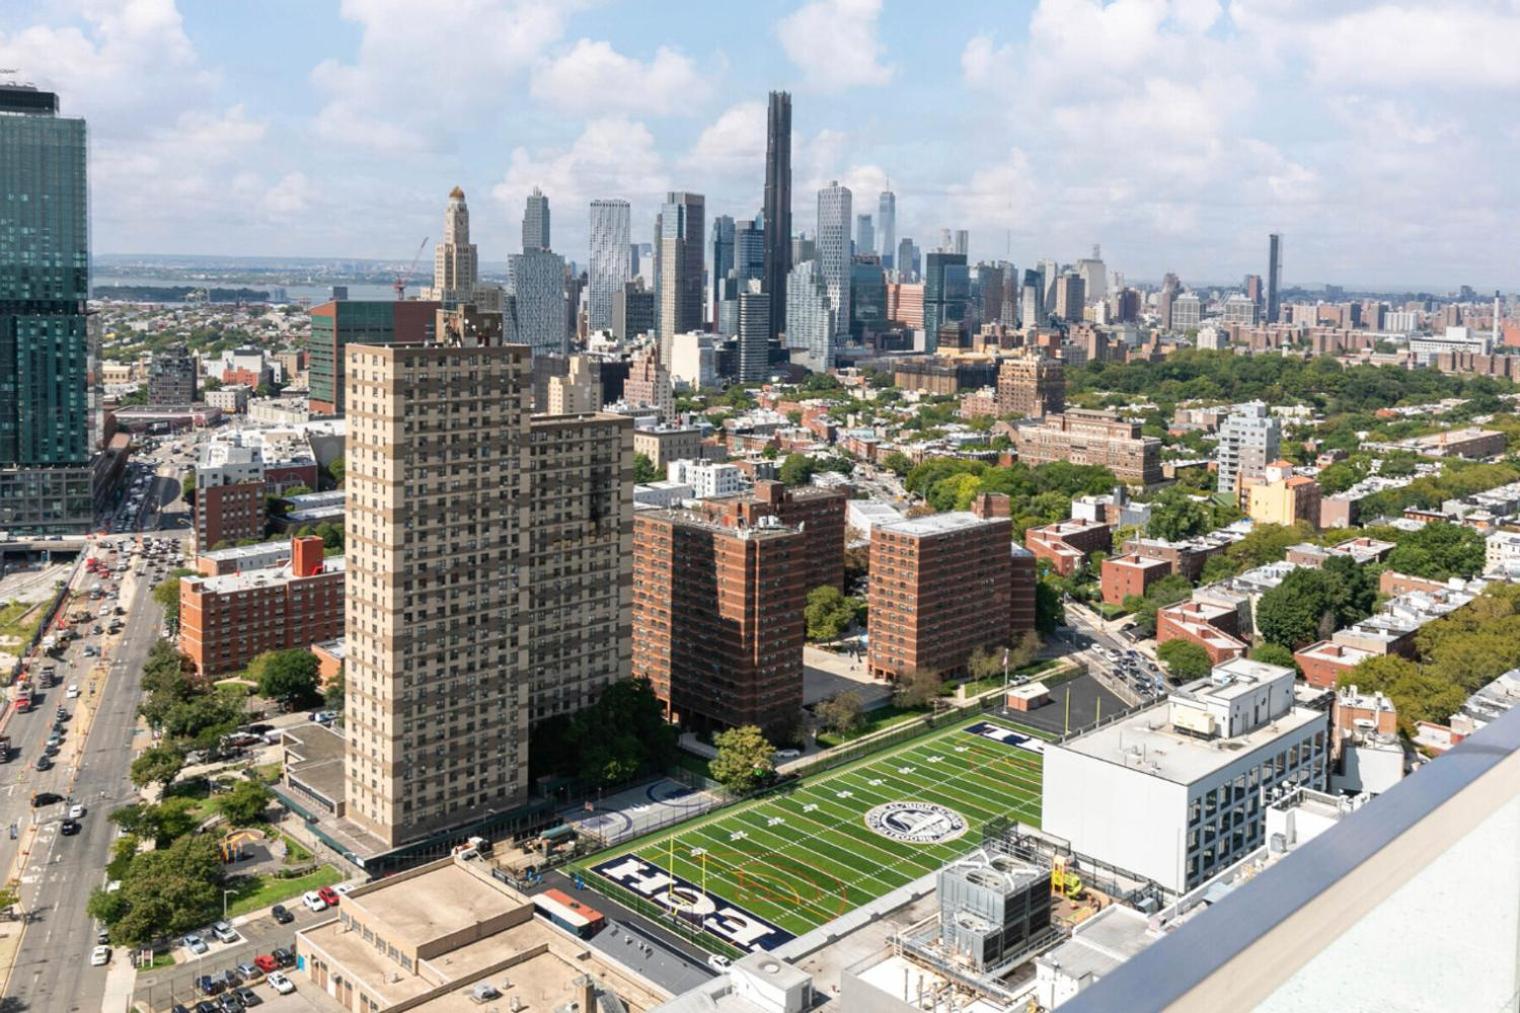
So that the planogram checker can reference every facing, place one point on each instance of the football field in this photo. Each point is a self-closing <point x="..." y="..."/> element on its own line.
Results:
<point x="760" y="873"/>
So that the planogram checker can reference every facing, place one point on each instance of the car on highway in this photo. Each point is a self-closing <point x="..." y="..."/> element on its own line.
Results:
<point x="100" y="956"/>
<point x="195" y="944"/>
<point x="44" y="762"/>
<point x="69" y="828"/>
<point x="281" y="984"/>
<point x="43" y="798"/>
<point x="76" y="812"/>
<point x="73" y="691"/>
<point x="281" y="914"/>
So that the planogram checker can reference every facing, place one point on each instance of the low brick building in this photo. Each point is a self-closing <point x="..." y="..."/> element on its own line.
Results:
<point x="225" y="621"/>
<point x="1068" y="544"/>
<point x="1323" y="663"/>
<point x="1130" y="574"/>
<point x="1215" y="628"/>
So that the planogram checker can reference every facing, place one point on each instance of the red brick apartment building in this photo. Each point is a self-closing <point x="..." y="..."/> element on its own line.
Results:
<point x="1090" y="437"/>
<point x="229" y="513"/>
<point x="718" y="623"/>
<point x="1215" y="628"/>
<point x="1130" y="574"/>
<point x="225" y="621"/>
<point x="1068" y="544"/>
<point x="816" y="511"/>
<point x="944" y="585"/>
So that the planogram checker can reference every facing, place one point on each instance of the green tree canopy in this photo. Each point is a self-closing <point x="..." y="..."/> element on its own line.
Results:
<point x="1184" y="660"/>
<point x="1274" y="654"/>
<point x="840" y="713"/>
<point x="830" y="613"/>
<point x="744" y="761"/>
<point x="244" y="805"/>
<point x="644" y="470"/>
<point x="919" y="688"/>
<point x="1311" y="604"/>
<point x="158" y="765"/>
<point x="797" y="469"/>
<point x="1176" y="516"/>
<point x="1439" y="551"/>
<point x="288" y="676"/>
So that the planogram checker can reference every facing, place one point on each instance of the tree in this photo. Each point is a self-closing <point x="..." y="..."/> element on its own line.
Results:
<point x="334" y="695"/>
<point x="245" y="803"/>
<point x="744" y="761"/>
<point x="1169" y="590"/>
<point x="1176" y="516"/>
<point x="1184" y="660"/>
<point x="796" y="469"/>
<point x="158" y="765"/>
<point x="1274" y="654"/>
<point x="1439" y="551"/>
<point x="918" y="689"/>
<point x="644" y="470"/>
<point x="1049" y="613"/>
<point x="840" y="713"/>
<point x="1310" y="604"/>
<point x="610" y="742"/>
<point x="830" y="613"/>
<point x="10" y="896"/>
<point x="1266" y="543"/>
<point x="187" y="485"/>
<point x="287" y="676"/>
<point x="338" y="469"/>
<point x="898" y="463"/>
<point x="166" y="592"/>
<point x="1418" y="693"/>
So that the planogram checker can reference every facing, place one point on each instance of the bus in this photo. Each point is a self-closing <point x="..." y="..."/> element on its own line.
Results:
<point x="568" y="913"/>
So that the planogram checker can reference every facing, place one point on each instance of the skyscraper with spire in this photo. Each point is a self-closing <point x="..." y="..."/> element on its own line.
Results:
<point x="536" y="222"/>
<point x="778" y="206"/>
<point x="456" y="268"/>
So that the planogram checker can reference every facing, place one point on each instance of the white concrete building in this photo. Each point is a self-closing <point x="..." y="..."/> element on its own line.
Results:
<point x="1501" y="552"/>
<point x="694" y="359"/>
<point x="1177" y="792"/>
<point x="1249" y="439"/>
<point x="707" y="478"/>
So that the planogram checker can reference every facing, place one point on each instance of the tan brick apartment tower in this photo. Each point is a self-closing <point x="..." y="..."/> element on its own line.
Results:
<point x="1032" y="385"/>
<point x="437" y="546"/>
<point x="717" y="618"/>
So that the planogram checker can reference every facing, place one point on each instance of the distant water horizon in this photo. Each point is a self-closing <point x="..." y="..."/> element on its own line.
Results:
<point x="293" y="293"/>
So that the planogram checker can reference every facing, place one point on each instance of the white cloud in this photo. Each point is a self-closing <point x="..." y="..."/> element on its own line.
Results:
<point x="732" y="146"/>
<point x="592" y="77"/>
<point x="983" y="62"/>
<point x="835" y="45"/>
<point x="291" y="195"/>
<point x="1402" y="47"/>
<point x="417" y="73"/>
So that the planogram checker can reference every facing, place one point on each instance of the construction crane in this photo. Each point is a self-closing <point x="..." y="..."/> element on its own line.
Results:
<point x="401" y="279"/>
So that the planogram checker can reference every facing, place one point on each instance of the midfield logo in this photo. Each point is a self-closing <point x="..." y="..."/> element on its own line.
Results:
<point x="916" y="822"/>
<point x="1007" y="736"/>
<point x="728" y="922"/>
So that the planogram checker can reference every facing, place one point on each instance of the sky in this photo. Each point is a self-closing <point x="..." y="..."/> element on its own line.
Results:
<point x="1379" y="138"/>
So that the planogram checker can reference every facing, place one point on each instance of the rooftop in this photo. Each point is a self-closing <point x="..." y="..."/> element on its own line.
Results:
<point x="248" y="580"/>
<point x="939" y="524"/>
<point x="249" y="551"/>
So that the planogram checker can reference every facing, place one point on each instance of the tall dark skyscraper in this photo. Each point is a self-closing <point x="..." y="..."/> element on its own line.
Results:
<point x="722" y="259"/>
<point x="778" y="206"/>
<point x="1274" y="276"/>
<point x="45" y="353"/>
<point x="683" y="236"/>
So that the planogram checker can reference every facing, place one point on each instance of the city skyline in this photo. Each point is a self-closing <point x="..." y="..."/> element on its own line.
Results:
<point x="1235" y="120"/>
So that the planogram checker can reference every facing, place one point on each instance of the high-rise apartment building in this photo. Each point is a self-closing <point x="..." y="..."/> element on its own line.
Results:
<point x="834" y="250"/>
<point x="456" y="265"/>
<point x="633" y="311"/>
<point x="754" y="334"/>
<point x="906" y="262"/>
<point x="46" y="359"/>
<point x="1050" y="271"/>
<point x="865" y="235"/>
<point x="649" y="384"/>
<point x="947" y="288"/>
<point x="1274" y="278"/>
<point x="609" y="268"/>
<point x="1095" y="438"/>
<point x="535" y="229"/>
<point x="173" y="375"/>
<point x="810" y="316"/>
<point x="1032" y="300"/>
<point x="778" y="205"/>
<point x="437" y="669"/>
<point x="1070" y="297"/>
<point x="817" y="511"/>
<point x="682" y="237"/>
<point x="343" y="322"/>
<point x="1171" y="287"/>
<point x="868" y="296"/>
<point x="579" y="391"/>
<point x="886" y="227"/>
<point x="718" y="618"/>
<point x="942" y="586"/>
<point x="723" y="236"/>
<point x="1187" y="311"/>
<point x="580" y="556"/>
<point x="1250" y="438"/>
<point x="962" y="243"/>
<point x="538" y="305"/>
<point x="1032" y="386"/>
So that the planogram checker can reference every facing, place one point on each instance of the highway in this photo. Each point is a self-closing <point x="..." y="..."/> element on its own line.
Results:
<point x="51" y="970"/>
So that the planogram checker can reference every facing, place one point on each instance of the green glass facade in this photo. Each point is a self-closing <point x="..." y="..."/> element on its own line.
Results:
<point x="45" y="431"/>
<point x="343" y="322"/>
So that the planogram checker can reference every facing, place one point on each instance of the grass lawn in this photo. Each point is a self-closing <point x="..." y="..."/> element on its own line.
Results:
<point x="255" y="892"/>
<point x="295" y="851"/>
<point x="873" y="721"/>
<point x="164" y="959"/>
<point x="996" y="681"/>
<point x="11" y="624"/>
<point x="804" y="856"/>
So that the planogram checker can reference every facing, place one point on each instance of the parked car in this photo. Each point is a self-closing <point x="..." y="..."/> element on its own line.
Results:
<point x="283" y="957"/>
<point x="281" y="914"/>
<point x="281" y="984"/>
<point x="248" y="997"/>
<point x="195" y="944"/>
<point x="100" y="956"/>
<point x="224" y="932"/>
<point x="76" y="812"/>
<point x="329" y="896"/>
<point x="313" y="901"/>
<point x="718" y="962"/>
<point x="266" y="963"/>
<point x="209" y="986"/>
<point x="206" y="1006"/>
<point x="230" y="1003"/>
<point x="44" y="762"/>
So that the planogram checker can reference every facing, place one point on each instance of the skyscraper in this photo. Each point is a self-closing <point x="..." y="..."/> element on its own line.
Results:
<point x="754" y="333"/>
<point x="722" y="260"/>
<point x="962" y="242"/>
<point x="437" y="594"/>
<point x="1274" y="276"/>
<point x="1032" y="300"/>
<point x="538" y="307"/>
<point x="1070" y="297"/>
<point x="609" y="269"/>
<point x="778" y="205"/>
<point x="1094" y="275"/>
<point x="865" y="234"/>
<point x="947" y="287"/>
<point x="456" y="269"/>
<point x="906" y="258"/>
<point x="809" y="316"/>
<point x="868" y="296"/>
<point x="886" y="227"/>
<point x="834" y="250"/>
<point x="1049" y="272"/>
<point x="45" y="354"/>
<point x="682" y="237"/>
<point x="536" y="222"/>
